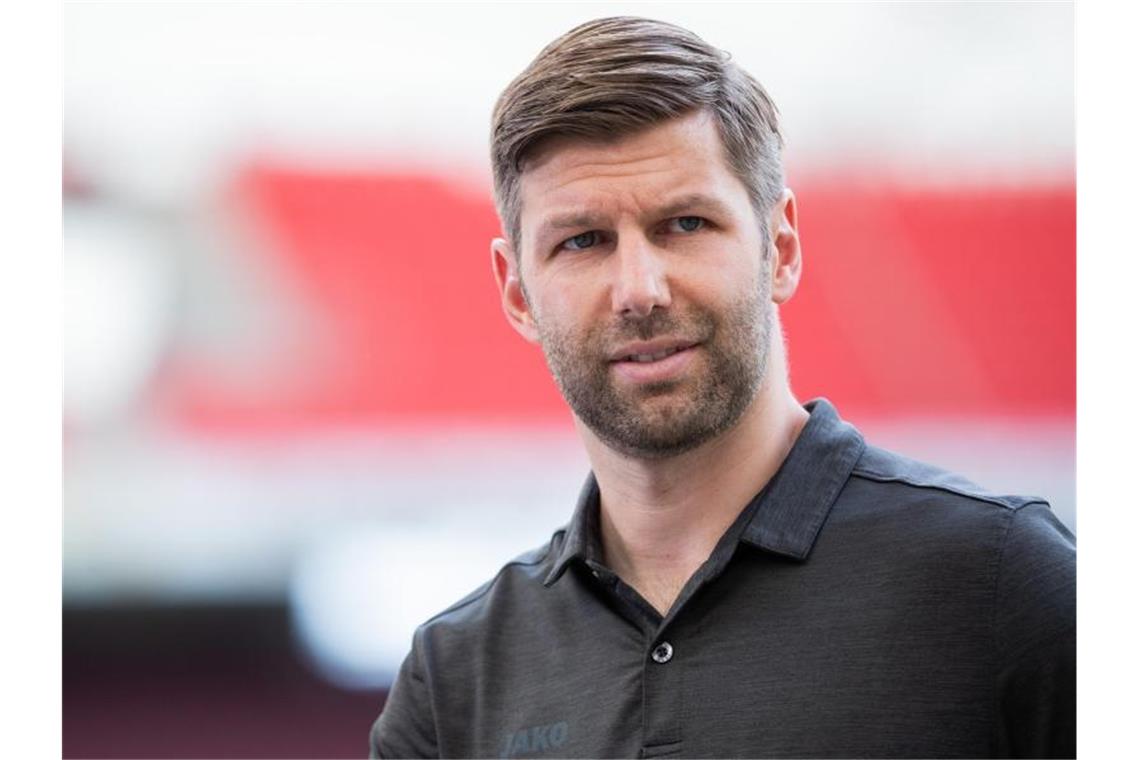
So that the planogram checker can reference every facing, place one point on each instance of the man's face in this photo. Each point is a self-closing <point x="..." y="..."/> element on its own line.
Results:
<point x="643" y="273"/>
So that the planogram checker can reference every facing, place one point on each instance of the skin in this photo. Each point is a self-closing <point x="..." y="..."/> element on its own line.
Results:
<point x="625" y="263"/>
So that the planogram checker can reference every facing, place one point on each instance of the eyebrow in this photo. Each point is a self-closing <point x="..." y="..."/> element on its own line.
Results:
<point x="694" y="201"/>
<point x="580" y="220"/>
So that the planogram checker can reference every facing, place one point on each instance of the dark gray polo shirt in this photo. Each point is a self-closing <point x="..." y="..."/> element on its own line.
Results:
<point x="862" y="605"/>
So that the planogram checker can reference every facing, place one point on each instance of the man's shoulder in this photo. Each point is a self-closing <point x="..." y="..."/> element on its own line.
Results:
<point x="514" y="587"/>
<point x="908" y="514"/>
<point x="911" y="479"/>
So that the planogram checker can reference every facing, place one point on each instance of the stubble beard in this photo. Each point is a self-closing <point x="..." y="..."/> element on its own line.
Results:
<point x="661" y="420"/>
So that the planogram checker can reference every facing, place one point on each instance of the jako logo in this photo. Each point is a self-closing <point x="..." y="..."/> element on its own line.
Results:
<point x="536" y="739"/>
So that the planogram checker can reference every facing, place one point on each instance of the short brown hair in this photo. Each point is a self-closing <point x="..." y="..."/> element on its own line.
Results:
<point x="612" y="77"/>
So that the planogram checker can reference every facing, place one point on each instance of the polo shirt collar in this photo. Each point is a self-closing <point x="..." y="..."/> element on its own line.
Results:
<point x="785" y="517"/>
<point x="789" y="512"/>
<point x="582" y="539"/>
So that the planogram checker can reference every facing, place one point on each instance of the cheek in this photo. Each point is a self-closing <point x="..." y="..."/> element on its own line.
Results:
<point x="564" y="303"/>
<point x="723" y="285"/>
<point x="752" y="271"/>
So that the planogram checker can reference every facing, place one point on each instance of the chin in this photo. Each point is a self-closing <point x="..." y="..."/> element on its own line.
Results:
<point x="658" y="435"/>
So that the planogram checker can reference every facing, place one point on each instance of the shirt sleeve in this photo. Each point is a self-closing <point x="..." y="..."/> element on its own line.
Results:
<point x="406" y="726"/>
<point x="1035" y="634"/>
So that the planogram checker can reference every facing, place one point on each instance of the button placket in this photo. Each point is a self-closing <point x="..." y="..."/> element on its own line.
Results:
<point x="663" y="693"/>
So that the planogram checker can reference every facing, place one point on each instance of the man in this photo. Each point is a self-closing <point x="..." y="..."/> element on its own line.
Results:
<point x="743" y="575"/>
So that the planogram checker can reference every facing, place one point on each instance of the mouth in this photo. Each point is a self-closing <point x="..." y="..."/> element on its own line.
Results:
<point x="645" y="358"/>
<point x="653" y="363"/>
<point x="646" y="353"/>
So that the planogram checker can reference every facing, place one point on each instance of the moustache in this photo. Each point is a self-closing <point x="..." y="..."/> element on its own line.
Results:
<point x="696" y="329"/>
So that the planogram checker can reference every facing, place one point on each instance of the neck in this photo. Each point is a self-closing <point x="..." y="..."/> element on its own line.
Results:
<point x="661" y="518"/>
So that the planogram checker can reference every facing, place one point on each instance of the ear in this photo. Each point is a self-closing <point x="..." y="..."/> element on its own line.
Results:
<point x="504" y="263"/>
<point x="787" y="261"/>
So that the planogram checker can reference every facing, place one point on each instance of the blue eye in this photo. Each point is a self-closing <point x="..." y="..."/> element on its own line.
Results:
<point x="690" y="223"/>
<point x="582" y="241"/>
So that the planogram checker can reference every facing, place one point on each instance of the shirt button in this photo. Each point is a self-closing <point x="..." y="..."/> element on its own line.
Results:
<point x="663" y="652"/>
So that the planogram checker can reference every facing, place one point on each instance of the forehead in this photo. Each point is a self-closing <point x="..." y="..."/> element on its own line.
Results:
<point x="682" y="156"/>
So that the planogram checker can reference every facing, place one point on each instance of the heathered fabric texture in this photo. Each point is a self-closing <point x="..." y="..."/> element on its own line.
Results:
<point x="862" y="605"/>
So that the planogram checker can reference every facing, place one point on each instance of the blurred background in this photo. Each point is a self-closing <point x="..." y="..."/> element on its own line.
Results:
<point x="296" y="423"/>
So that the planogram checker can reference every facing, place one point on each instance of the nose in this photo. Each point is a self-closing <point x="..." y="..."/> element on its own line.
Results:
<point x="640" y="282"/>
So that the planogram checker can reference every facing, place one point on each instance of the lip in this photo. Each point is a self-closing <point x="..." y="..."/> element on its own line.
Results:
<point x="662" y="370"/>
<point x="655" y="346"/>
